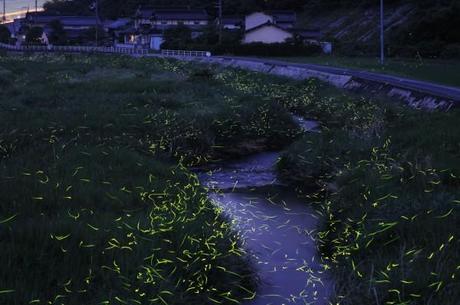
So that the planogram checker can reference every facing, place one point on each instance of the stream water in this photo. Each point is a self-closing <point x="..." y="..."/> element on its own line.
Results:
<point x="276" y="227"/>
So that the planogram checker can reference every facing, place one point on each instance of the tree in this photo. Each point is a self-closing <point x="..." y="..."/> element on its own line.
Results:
<point x="58" y="36"/>
<point x="34" y="35"/>
<point x="5" y="34"/>
<point x="178" y="37"/>
<point x="90" y="36"/>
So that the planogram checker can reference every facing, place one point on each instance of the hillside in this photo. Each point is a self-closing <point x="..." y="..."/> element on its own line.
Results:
<point x="411" y="29"/>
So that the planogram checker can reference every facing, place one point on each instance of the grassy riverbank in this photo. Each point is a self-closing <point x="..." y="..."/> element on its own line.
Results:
<point x="387" y="183"/>
<point x="385" y="178"/>
<point x="98" y="206"/>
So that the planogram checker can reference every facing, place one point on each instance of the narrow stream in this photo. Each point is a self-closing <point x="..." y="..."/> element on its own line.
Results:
<point x="276" y="228"/>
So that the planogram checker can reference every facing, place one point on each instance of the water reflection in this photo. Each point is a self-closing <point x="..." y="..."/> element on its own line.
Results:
<point x="277" y="229"/>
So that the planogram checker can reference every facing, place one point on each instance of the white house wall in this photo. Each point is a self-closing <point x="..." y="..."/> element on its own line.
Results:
<point x="267" y="34"/>
<point x="256" y="19"/>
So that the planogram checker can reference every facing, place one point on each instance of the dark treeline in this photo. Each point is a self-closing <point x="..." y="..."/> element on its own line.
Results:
<point x="116" y="8"/>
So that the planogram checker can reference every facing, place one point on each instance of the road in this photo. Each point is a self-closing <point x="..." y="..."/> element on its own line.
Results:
<point x="438" y="90"/>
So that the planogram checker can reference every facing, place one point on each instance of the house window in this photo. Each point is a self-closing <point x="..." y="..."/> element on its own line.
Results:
<point x="164" y="22"/>
<point x="196" y="22"/>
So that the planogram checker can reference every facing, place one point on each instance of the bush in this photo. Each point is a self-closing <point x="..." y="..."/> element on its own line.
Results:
<point x="5" y="34"/>
<point x="262" y="49"/>
<point x="451" y="51"/>
<point x="253" y="49"/>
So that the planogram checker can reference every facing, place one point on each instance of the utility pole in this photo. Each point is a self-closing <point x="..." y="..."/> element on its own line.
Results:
<point x="97" y="23"/>
<point x="4" y="11"/>
<point x="36" y="5"/>
<point x="382" y="34"/>
<point x="219" y="5"/>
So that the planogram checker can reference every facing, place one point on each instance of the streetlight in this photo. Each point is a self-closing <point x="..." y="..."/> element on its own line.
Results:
<point x="382" y="41"/>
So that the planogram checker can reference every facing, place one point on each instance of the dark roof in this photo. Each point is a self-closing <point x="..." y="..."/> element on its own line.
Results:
<point x="284" y="16"/>
<point x="307" y="33"/>
<point x="268" y="23"/>
<point x="117" y="24"/>
<point x="232" y="20"/>
<point x="172" y="13"/>
<point x="65" y="20"/>
<point x="304" y="33"/>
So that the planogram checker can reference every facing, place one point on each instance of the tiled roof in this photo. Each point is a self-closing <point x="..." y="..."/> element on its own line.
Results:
<point x="172" y="14"/>
<point x="284" y="16"/>
<point x="232" y="20"/>
<point x="65" y="20"/>
<point x="268" y="23"/>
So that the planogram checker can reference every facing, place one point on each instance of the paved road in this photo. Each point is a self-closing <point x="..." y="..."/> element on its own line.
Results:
<point x="448" y="92"/>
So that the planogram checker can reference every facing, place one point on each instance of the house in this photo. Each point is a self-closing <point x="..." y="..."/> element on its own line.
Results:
<point x="75" y="27"/>
<point x="277" y="27"/>
<point x="283" y="19"/>
<point x="69" y="23"/>
<point x="267" y="33"/>
<point x="232" y="23"/>
<point x="313" y="35"/>
<point x="165" y="18"/>
<point x="150" y="23"/>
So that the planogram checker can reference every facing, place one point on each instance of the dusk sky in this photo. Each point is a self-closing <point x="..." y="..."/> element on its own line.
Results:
<point x="14" y="5"/>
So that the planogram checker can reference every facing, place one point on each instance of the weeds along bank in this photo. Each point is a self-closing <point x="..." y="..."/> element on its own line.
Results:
<point x="385" y="178"/>
<point x="97" y="205"/>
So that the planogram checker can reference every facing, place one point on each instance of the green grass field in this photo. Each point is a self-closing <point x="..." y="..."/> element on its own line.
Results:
<point x="445" y="72"/>
<point x="387" y="181"/>
<point x="98" y="205"/>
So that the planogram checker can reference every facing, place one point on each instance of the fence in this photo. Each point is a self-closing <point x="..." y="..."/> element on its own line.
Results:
<point x="74" y="49"/>
<point x="185" y="53"/>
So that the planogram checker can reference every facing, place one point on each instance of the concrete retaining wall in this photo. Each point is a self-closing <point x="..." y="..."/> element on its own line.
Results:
<point x="413" y="98"/>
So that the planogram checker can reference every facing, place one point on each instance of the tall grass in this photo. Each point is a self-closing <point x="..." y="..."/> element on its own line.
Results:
<point x="97" y="205"/>
<point x="386" y="181"/>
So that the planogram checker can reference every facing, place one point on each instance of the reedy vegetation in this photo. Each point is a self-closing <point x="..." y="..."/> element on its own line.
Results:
<point x="97" y="148"/>
<point x="97" y="206"/>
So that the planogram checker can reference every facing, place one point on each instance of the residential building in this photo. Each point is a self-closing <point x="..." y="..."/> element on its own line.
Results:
<point x="75" y="27"/>
<point x="267" y="33"/>
<point x="69" y="23"/>
<point x="232" y="23"/>
<point x="277" y="27"/>
<point x="283" y="19"/>
<point x="150" y="23"/>
<point x="165" y="18"/>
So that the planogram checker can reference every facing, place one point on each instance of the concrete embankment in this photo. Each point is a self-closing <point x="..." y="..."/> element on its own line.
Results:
<point x="417" y="94"/>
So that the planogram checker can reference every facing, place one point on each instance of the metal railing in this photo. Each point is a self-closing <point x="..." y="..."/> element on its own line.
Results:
<point x="73" y="49"/>
<point x="185" y="53"/>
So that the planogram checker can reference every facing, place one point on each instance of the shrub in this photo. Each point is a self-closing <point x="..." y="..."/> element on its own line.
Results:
<point x="5" y="34"/>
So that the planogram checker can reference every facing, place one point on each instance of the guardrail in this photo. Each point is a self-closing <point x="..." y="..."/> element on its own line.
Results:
<point x="74" y="49"/>
<point x="185" y="53"/>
